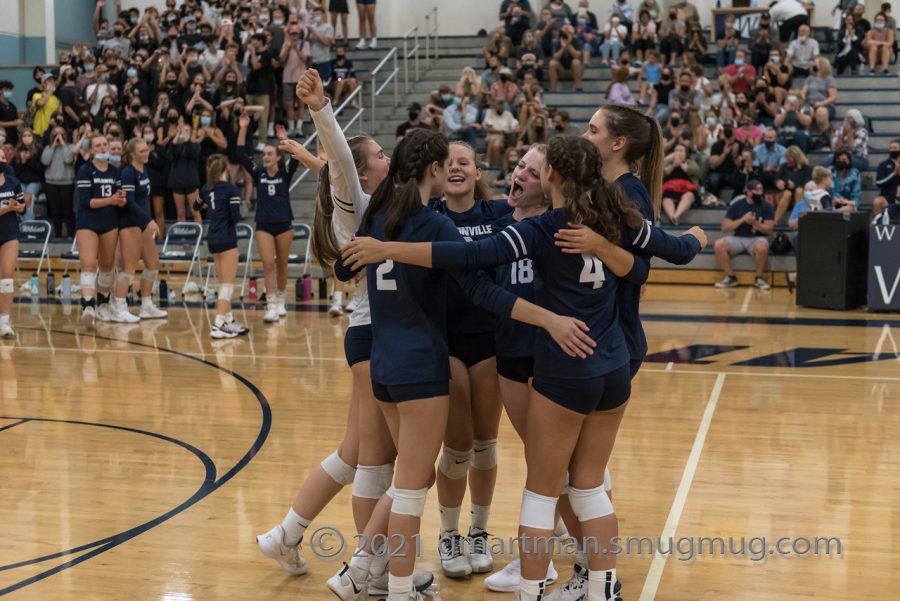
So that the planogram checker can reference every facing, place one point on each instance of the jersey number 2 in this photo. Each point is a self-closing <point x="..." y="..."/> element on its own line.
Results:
<point x="382" y="282"/>
<point x="592" y="272"/>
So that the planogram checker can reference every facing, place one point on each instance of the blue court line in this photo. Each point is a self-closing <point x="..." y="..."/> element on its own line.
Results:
<point x="210" y="484"/>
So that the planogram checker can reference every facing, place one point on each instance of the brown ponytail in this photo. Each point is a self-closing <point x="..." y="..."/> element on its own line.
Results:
<point x="324" y="243"/>
<point x="216" y="165"/>
<point x="644" y="146"/>
<point x="398" y="194"/>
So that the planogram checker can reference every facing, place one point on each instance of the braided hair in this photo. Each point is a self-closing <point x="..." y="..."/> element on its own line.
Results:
<point x="398" y="194"/>
<point x="590" y="199"/>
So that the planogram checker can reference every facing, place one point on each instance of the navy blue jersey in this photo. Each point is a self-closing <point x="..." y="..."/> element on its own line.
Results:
<point x="409" y="305"/>
<point x="10" y="193"/>
<point x="136" y="212"/>
<point x="94" y="183"/>
<point x="222" y="206"/>
<point x="671" y="248"/>
<point x="514" y="338"/>
<point x="476" y="223"/>
<point x="740" y="207"/>
<point x="577" y="286"/>
<point x="273" y="192"/>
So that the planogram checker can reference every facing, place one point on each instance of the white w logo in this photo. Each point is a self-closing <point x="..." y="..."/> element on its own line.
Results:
<point x="885" y="233"/>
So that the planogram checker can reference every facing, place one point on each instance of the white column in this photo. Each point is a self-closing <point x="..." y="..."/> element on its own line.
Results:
<point x="50" y="30"/>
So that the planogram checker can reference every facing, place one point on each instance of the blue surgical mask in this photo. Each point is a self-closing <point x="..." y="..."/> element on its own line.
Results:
<point x="739" y="62"/>
<point x="115" y="158"/>
<point x="84" y="143"/>
<point x="278" y="22"/>
<point x="89" y="67"/>
<point x="807" y="195"/>
<point x="317" y="19"/>
<point x="102" y="156"/>
<point x="204" y="120"/>
<point x="131" y="73"/>
<point x="7" y="94"/>
<point x="775" y="58"/>
<point x="711" y="121"/>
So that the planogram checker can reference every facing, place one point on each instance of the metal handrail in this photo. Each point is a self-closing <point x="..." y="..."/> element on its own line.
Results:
<point x="393" y="76"/>
<point x="359" y="111"/>
<point x="431" y="30"/>
<point x="407" y="54"/>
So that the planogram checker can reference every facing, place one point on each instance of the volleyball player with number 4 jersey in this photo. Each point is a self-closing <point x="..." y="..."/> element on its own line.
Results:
<point x="12" y="202"/>
<point x="274" y="228"/>
<point x="100" y="196"/>
<point x="220" y="202"/>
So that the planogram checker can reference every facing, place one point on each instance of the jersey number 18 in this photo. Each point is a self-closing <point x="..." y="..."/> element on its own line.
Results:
<point x="522" y="272"/>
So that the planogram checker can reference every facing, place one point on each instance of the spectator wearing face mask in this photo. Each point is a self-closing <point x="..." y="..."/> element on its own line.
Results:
<point x="790" y="179"/>
<point x="97" y="92"/>
<point x="614" y="37"/>
<point x="748" y="223"/>
<point x="727" y="42"/>
<point x="58" y="159"/>
<point x="847" y="187"/>
<point x="9" y="114"/>
<point x="68" y="98"/>
<point x="887" y="178"/>
<point x="686" y="100"/>
<point x="517" y="25"/>
<point x="815" y="197"/>
<point x="740" y="75"/>
<point x="343" y="76"/>
<point x="118" y="43"/>
<point x="803" y="52"/>
<point x="562" y="125"/>
<point x="879" y="45"/>
<point x="294" y="56"/>
<point x="770" y="156"/>
<point x="659" y="97"/>
<point x="260" y="83"/>
<point x="321" y="36"/>
<point x="28" y="169"/>
<point x="46" y="104"/>
<point x="853" y="137"/>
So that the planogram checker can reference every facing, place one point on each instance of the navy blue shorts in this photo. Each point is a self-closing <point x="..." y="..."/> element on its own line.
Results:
<point x="517" y="369"/>
<point x="129" y="221"/>
<point x="5" y="239"/>
<point x="365" y="1"/>
<point x="275" y="229"/>
<point x="471" y="349"/>
<point x="358" y="344"/>
<point x="99" y="232"/>
<point x="215" y="249"/>
<point x="410" y="392"/>
<point x="586" y="396"/>
<point x="634" y="366"/>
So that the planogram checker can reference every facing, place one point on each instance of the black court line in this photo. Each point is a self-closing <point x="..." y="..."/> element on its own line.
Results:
<point x="210" y="484"/>
<point x="877" y="320"/>
<point x="13" y="425"/>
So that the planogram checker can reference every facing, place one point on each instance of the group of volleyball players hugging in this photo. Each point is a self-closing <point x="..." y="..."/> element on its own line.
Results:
<point x="114" y="230"/>
<point x="468" y="305"/>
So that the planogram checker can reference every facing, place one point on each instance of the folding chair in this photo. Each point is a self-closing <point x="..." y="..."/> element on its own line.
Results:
<point x="182" y="245"/>
<point x="302" y="231"/>
<point x="244" y="232"/>
<point x="35" y="233"/>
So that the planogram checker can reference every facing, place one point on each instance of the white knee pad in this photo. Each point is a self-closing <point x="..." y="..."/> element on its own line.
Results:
<point x="454" y="464"/>
<point x="7" y="286"/>
<point x="149" y="275"/>
<point x="390" y="491"/>
<point x="105" y="279"/>
<point x="538" y="511"/>
<point x="589" y="504"/>
<point x="225" y="292"/>
<point x="88" y="279"/>
<point x="372" y="481"/>
<point x="607" y="480"/>
<point x="338" y="469"/>
<point x="409" y="502"/>
<point x="484" y="456"/>
<point x="125" y="278"/>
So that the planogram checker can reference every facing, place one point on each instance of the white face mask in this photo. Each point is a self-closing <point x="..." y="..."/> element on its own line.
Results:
<point x="802" y="39"/>
<point x="878" y="26"/>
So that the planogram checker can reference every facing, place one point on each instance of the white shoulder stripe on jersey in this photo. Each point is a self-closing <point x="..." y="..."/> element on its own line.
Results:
<point x="511" y="243"/>
<point x="519" y="237"/>
<point x="643" y="236"/>
<point x="344" y="210"/>
<point x="649" y="229"/>
<point x="343" y="203"/>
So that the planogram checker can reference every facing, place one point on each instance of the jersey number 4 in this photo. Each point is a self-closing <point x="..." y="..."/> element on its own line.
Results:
<point x="592" y="272"/>
<point x="382" y="282"/>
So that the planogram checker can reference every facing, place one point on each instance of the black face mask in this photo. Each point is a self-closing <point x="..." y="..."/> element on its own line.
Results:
<point x="676" y="121"/>
<point x="727" y="132"/>
<point x="172" y="120"/>
<point x="895" y="154"/>
<point x="770" y="145"/>
<point x="761" y="90"/>
<point x="413" y="115"/>
<point x="842" y="165"/>
<point x="685" y="88"/>
<point x="171" y="84"/>
<point x="144" y="118"/>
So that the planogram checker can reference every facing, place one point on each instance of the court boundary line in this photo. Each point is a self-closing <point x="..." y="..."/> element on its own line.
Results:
<point x="255" y="447"/>
<point x="654" y="574"/>
<point x="23" y="420"/>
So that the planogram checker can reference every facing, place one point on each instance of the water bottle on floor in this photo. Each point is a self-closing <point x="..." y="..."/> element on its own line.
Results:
<point x="51" y="284"/>
<point x="66" y="286"/>
<point x="35" y="284"/>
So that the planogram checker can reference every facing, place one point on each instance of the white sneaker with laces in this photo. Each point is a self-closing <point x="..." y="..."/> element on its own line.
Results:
<point x="729" y="281"/>
<point x="89" y="317"/>
<point x="335" y="310"/>
<point x="374" y="43"/>
<point x="104" y="312"/>
<point x="507" y="579"/>
<point x="422" y="580"/>
<point x="233" y="326"/>
<point x="346" y="586"/>
<point x="119" y="312"/>
<point x="575" y="589"/>
<point x="282" y="310"/>
<point x="272" y="545"/>
<point x="271" y="313"/>
<point x="480" y="557"/>
<point x="361" y="44"/>
<point x="761" y="283"/>
<point x="454" y="561"/>
<point x="222" y="331"/>
<point x="6" y="330"/>
<point x="151" y="311"/>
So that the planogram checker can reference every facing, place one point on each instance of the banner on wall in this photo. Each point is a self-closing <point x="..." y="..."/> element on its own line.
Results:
<point x="746" y="20"/>
<point x="884" y="268"/>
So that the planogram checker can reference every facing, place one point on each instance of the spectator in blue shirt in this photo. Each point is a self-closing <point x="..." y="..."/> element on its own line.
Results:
<point x="847" y="187"/>
<point x="461" y="121"/>
<point x="769" y="157"/>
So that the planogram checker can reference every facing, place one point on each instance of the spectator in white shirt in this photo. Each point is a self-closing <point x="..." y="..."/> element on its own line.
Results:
<point x="499" y="124"/>
<point x="614" y="35"/>
<point x="802" y="52"/>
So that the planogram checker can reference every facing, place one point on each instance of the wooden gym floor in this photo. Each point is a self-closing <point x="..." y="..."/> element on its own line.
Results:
<point x="141" y="462"/>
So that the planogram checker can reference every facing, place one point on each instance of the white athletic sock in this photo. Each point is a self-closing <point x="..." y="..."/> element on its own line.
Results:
<point x="229" y="317"/>
<point x="601" y="584"/>
<point x="480" y="515"/>
<point x="338" y="298"/>
<point x="581" y="556"/>
<point x="221" y="320"/>
<point x="449" y="519"/>
<point x="294" y="526"/>
<point x="399" y="586"/>
<point x="4" y="318"/>
<point x="379" y="563"/>
<point x="281" y="295"/>
<point x="359" y="565"/>
<point x="531" y="590"/>
<point x="147" y="302"/>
